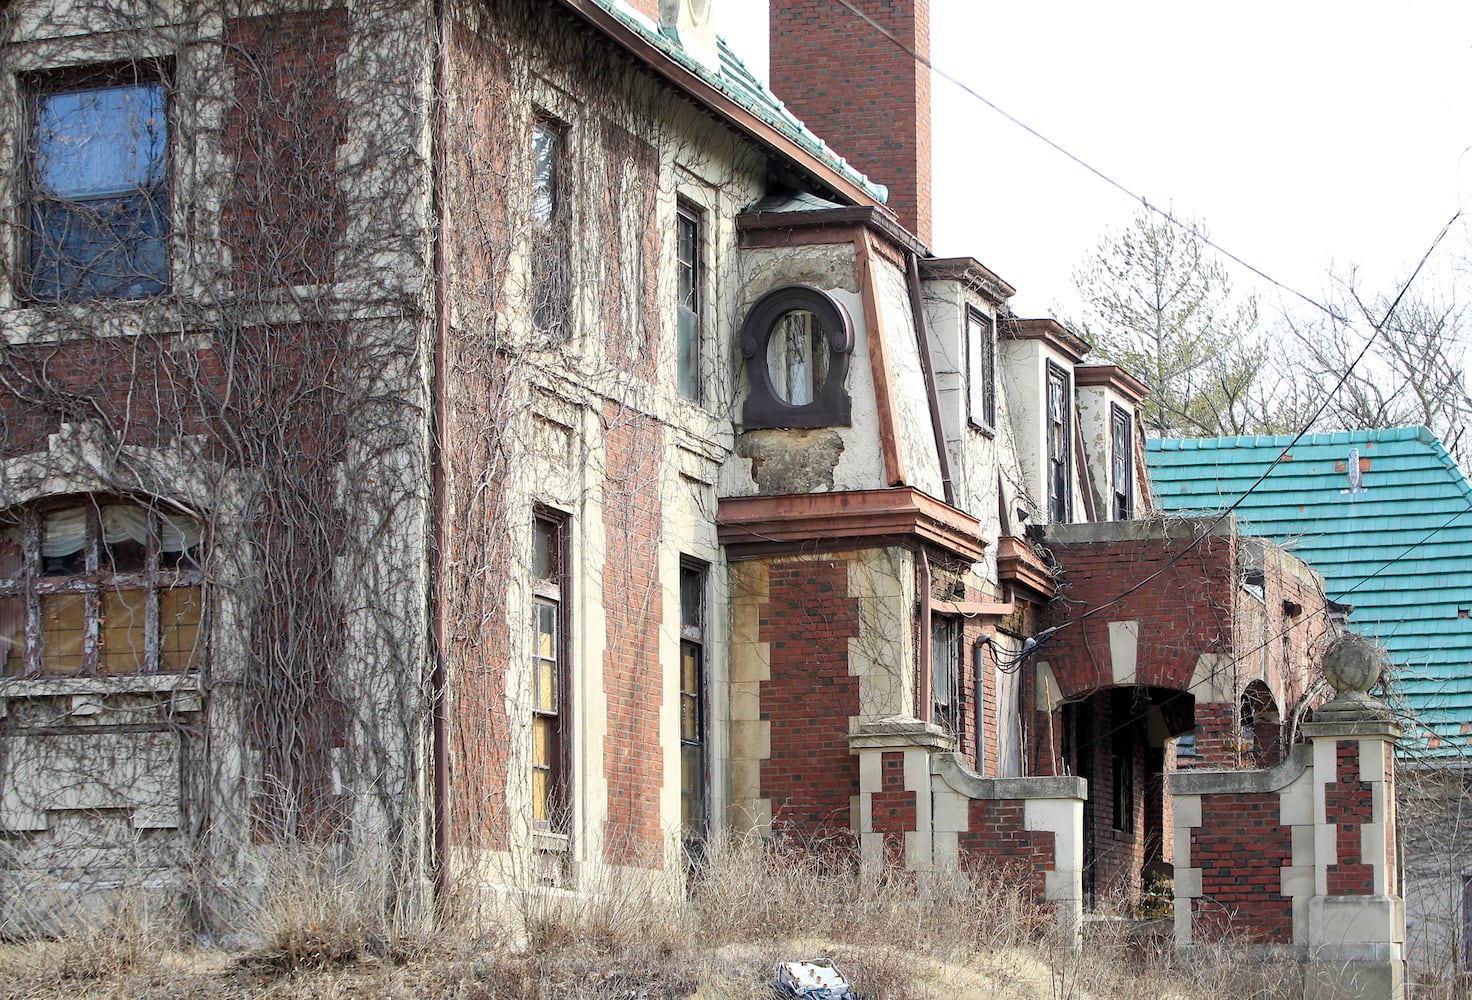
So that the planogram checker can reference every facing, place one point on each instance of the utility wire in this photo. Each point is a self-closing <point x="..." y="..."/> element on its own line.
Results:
<point x="1195" y="234"/>
<point x="1185" y="227"/>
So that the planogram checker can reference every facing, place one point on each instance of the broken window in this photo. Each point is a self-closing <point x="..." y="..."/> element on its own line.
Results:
<point x="550" y="717"/>
<point x="97" y="187"/>
<point x="101" y="587"/>
<point x="1122" y="453"/>
<point x="1060" y="418"/>
<point x="981" y="369"/>
<point x="693" y="747"/>
<point x="691" y="295"/>
<point x="945" y="672"/>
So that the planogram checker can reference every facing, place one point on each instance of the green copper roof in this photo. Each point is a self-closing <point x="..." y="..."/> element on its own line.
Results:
<point x="1396" y="544"/>
<point x="740" y="84"/>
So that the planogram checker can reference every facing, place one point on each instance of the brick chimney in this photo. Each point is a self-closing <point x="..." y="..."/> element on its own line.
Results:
<point x="859" y="91"/>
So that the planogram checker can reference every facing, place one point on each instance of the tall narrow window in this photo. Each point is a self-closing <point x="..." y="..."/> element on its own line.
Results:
<point x="98" y="173"/>
<point x="981" y="369"/>
<point x="100" y="588"/>
<point x="550" y="261"/>
<point x="550" y="722"/>
<point x="1122" y="453"/>
<point x="1124" y="781"/>
<point x="945" y="672"/>
<point x="691" y="281"/>
<point x="1060" y="420"/>
<point x="693" y="748"/>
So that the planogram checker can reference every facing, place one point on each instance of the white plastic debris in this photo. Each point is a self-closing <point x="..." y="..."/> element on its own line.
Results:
<point x="818" y="979"/>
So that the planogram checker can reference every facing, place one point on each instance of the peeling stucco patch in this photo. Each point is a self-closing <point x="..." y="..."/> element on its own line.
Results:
<point x="791" y="461"/>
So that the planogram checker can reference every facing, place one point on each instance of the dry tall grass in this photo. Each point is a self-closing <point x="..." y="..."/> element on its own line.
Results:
<point x="646" y="932"/>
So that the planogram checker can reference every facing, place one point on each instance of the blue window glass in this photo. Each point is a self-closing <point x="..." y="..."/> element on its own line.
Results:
<point x="99" y="218"/>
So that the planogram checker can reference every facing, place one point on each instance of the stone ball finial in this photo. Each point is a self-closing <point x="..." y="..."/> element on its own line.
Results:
<point x="1353" y="664"/>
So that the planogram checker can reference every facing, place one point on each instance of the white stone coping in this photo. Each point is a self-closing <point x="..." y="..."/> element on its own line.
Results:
<point x="1250" y="782"/>
<point x="949" y="769"/>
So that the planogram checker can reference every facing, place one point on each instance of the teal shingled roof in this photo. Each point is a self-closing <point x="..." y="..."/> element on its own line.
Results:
<point x="742" y="86"/>
<point x="1400" y="551"/>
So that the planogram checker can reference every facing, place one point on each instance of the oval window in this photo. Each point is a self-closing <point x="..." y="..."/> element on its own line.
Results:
<point x="797" y="357"/>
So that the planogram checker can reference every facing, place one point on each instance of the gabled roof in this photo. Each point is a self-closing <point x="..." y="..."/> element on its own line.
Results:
<point x="732" y="94"/>
<point x="1396" y="544"/>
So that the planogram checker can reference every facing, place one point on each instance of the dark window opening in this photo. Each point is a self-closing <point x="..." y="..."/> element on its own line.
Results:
<point x="551" y="251"/>
<point x="98" y="188"/>
<point x="1122" y="453"/>
<point x="981" y="369"/>
<point x="945" y="673"/>
<point x="1124" y="781"/>
<point x="691" y="296"/>
<point x="1060" y="419"/>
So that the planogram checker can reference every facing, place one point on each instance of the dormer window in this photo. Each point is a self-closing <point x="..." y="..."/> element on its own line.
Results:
<point x="1060" y="421"/>
<point x="1122" y="451"/>
<point x="797" y="341"/>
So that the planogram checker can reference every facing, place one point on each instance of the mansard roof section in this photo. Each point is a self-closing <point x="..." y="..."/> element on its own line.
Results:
<point x="969" y="272"/>
<point x="732" y="94"/>
<point x="1111" y="377"/>
<point x="1052" y="333"/>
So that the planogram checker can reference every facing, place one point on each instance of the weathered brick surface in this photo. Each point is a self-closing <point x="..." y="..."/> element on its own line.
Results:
<point x="1348" y="804"/>
<point x="632" y="603"/>
<point x="285" y="217"/>
<point x="892" y="809"/>
<point x="997" y="838"/>
<point x="810" y="698"/>
<point x="1241" y="847"/>
<point x="1182" y="613"/>
<point x="861" y="91"/>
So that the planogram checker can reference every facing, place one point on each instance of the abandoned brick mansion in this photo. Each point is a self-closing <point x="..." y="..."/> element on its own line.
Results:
<point x="473" y="428"/>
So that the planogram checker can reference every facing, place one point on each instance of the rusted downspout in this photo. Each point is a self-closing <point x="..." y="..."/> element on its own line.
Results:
<point x="439" y="424"/>
<point x="923" y="699"/>
<point x="922" y="338"/>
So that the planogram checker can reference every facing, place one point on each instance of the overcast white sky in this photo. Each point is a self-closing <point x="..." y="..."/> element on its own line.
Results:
<point x="1305" y="133"/>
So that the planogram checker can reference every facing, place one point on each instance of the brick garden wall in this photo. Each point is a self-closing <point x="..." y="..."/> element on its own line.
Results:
<point x="1241" y="847"/>
<point x="997" y="838"/>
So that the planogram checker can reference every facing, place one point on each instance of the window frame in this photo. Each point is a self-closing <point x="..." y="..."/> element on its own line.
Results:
<point x="1058" y="429"/>
<point x="689" y="380"/>
<point x="831" y="405"/>
<point x="947" y="708"/>
<point x="694" y="633"/>
<point x="981" y="370"/>
<point x="552" y="591"/>
<point x="155" y="200"/>
<point x="95" y="580"/>
<point x="1121" y="460"/>
<point x="549" y="258"/>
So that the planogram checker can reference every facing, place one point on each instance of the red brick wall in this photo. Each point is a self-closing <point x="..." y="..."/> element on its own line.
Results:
<point x="1241" y="847"/>
<point x="892" y="809"/>
<point x="866" y="96"/>
<point x="1348" y="804"/>
<point x="809" y="698"/>
<point x="284" y="217"/>
<point x="633" y="604"/>
<point x="998" y="838"/>
<point x="1183" y="612"/>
